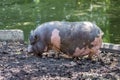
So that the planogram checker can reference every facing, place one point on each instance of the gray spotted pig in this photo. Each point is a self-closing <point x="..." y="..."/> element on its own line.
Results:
<point x="72" y="38"/>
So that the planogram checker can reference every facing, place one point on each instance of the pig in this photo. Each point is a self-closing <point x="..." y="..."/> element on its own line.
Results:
<point x="75" y="39"/>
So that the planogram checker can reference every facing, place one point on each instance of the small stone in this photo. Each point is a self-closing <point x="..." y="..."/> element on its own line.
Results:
<point x="72" y="63"/>
<point x="11" y="35"/>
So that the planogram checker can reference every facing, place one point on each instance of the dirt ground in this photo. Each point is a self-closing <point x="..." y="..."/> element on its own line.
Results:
<point x="16" y="64"/>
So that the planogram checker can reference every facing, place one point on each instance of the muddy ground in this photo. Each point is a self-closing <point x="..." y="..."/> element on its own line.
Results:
<point x="16" y="64"/>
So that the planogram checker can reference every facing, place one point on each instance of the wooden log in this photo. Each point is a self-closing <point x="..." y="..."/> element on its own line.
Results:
<point x="110" y="47"/>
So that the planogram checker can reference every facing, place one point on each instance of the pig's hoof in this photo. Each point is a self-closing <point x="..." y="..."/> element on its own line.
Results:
<point x="38" y="55"/>
<point x="75" y="58"/>
<point x="55" y="56"/>
<point x="88" y="58"/>
<point x="93" y="61"/>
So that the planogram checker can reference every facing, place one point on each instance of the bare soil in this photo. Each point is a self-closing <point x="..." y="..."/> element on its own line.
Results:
<point x="16" y="64"/>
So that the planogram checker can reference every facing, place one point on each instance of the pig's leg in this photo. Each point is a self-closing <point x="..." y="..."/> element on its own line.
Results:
<point x="92" y="52"/>
<point x="55" y="41"/>
<point x="98" y="55"/>
<point x="96" y="46"/>
<point x="95" y="52"/>
<point x="57" y="52"/>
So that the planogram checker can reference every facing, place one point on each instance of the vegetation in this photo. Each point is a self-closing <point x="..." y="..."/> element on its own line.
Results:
<point x="27" y="14"/>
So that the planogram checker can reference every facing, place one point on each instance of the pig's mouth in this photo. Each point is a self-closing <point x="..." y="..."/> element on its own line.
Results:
<point x="29" y="49"/>
<point x="34" y="50"/>
<point x="35" y="53"/>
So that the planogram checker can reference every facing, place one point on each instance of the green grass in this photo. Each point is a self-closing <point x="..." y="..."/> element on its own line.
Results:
<point x="27" y="14"/>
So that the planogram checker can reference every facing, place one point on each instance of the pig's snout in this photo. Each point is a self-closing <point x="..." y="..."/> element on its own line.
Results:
<point x="30" y="50"/>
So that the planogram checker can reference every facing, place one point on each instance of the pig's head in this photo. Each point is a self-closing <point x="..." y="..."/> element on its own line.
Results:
<point x="36" y="45"/>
